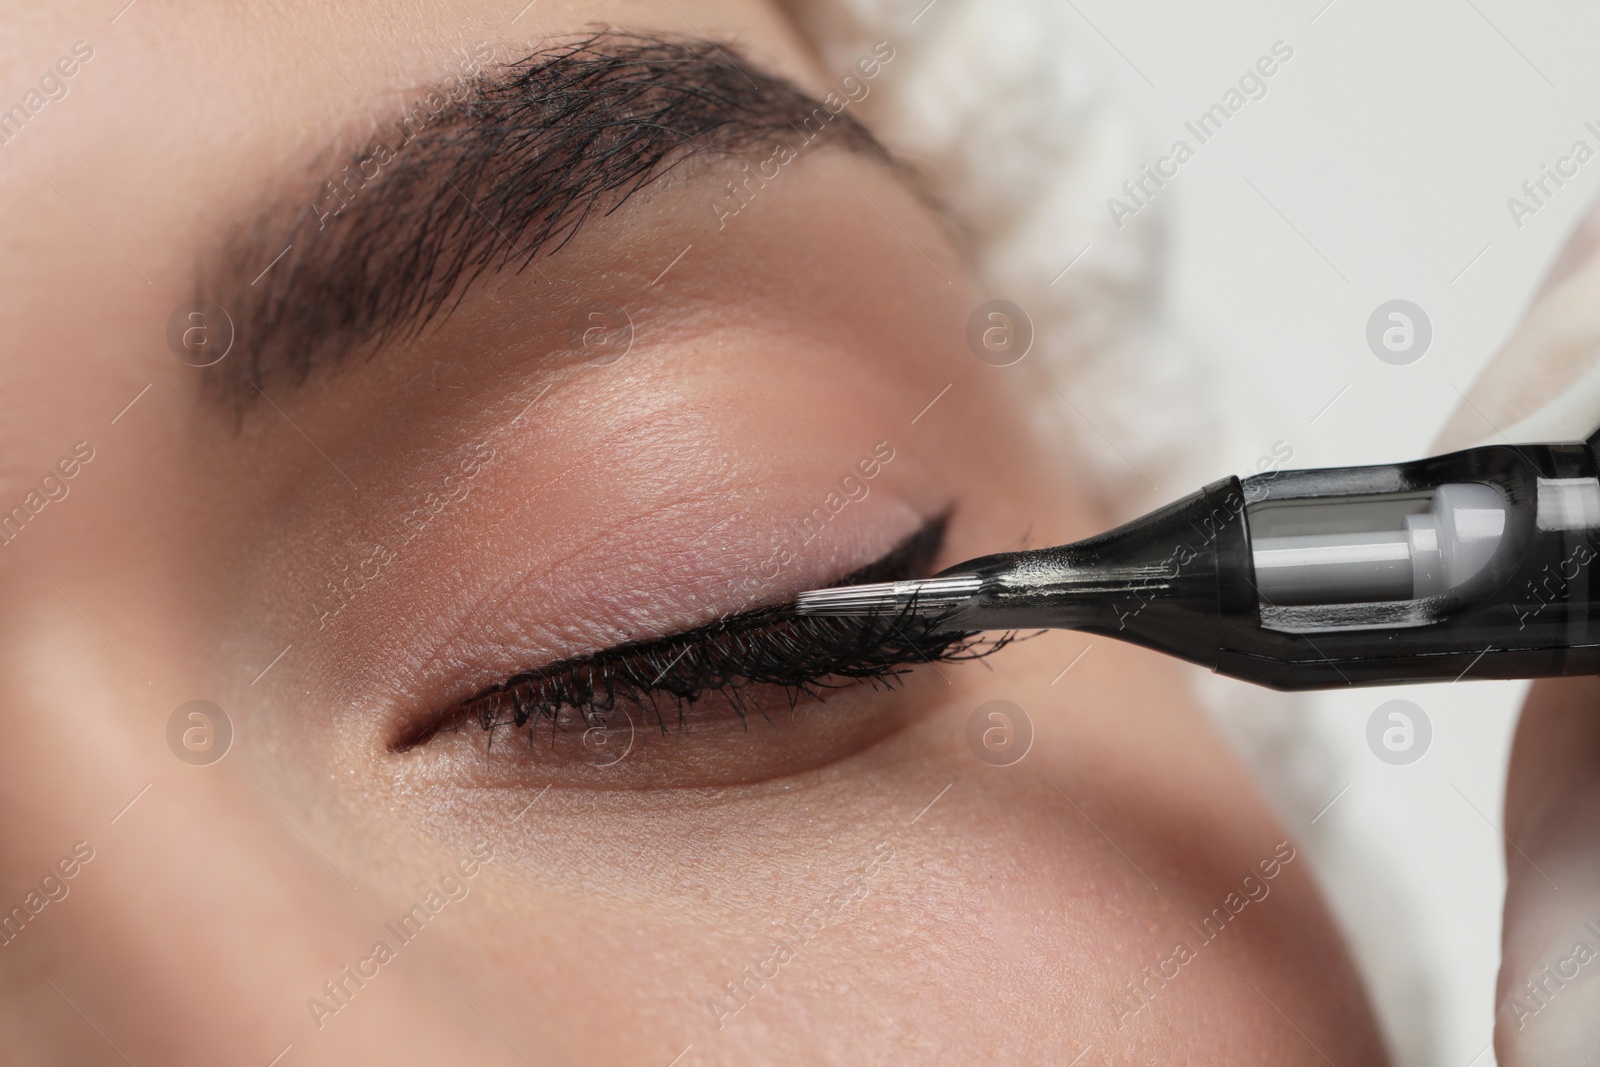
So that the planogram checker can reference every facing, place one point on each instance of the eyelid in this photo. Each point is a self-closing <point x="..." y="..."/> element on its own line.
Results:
<point x="772" y="647"/>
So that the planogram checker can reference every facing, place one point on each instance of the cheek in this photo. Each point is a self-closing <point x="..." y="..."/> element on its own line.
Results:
<point x="976" y="881"/>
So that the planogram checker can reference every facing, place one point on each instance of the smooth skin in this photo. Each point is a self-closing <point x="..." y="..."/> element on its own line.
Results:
<point x="957" y="911"/>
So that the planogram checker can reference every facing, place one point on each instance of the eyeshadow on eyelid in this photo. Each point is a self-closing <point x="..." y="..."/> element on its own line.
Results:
<point x="767" y="647"/>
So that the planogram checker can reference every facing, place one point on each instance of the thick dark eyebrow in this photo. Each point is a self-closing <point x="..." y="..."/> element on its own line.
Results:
<point x="486" y="173"/>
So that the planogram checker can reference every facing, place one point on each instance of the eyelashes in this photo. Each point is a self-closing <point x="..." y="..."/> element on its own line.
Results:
<point x="663" y="679"/>
<point x="734" y="658"/>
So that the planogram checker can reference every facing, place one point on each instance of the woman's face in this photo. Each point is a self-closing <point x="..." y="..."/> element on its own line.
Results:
<point x="420" y="470"/>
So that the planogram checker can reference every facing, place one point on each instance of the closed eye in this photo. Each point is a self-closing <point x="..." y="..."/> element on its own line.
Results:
<point x="745" y="658"/>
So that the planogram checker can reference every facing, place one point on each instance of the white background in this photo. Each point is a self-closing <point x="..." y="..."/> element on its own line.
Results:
<point x="1377" y="167"/>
